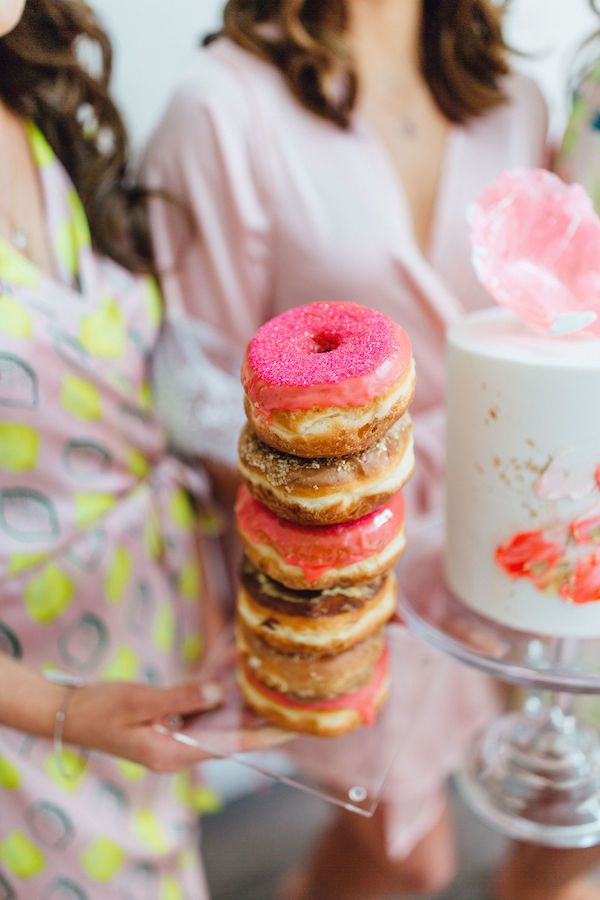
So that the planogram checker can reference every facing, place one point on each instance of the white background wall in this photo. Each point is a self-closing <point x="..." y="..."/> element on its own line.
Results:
<point x="154" y="39"/>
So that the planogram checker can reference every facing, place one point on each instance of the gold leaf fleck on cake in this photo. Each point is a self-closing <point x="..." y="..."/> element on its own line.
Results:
<point x="533" y="513"/>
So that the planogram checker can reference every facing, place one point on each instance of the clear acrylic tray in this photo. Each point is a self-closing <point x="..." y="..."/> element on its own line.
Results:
<point x="349" y="771"/>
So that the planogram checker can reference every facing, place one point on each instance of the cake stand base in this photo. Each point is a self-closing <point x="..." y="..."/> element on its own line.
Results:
<point x="535" y="775"/>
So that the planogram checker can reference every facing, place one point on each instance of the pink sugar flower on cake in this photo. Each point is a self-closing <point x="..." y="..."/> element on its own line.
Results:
<point x="536" y="248"/>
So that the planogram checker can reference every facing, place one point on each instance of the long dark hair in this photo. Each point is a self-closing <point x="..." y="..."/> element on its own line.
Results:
<point x="463" y="54"/>
<point x="43" y="78"/>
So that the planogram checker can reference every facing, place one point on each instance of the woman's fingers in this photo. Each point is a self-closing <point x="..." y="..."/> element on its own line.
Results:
<point x="133" y="721"/>
<point x="186" y="699"/>
<point x="265" y="739"/>
<point x="161" y="753"/>
<point x="230" y="741"/>
<point x="212" y="695"/>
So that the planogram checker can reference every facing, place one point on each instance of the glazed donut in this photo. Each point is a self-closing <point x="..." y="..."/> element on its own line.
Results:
<point x="309" y="676"/>
<point x="330" y="717"/>
<point x="308" y="557"/>
<point x="327" y="379"/>
<point x="328" y="491"/>
<point x="324" y="622"/>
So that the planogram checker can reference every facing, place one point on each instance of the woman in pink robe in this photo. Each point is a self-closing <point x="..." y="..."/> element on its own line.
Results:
<point x="290" y="207"/>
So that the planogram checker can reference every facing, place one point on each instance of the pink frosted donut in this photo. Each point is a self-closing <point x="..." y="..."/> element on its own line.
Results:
<point x="316" y="558"/>
<point x="327" y="379"/>
<point x="326" y="716"/>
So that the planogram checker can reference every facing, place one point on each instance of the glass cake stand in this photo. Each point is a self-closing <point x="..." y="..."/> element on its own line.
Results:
<point x="349" y="771"/>
<point x="534" y="773"/>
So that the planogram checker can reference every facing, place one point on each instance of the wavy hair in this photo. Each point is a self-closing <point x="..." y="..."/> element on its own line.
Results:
<point x="463" y="54"/>
<point x="56" y="67"/>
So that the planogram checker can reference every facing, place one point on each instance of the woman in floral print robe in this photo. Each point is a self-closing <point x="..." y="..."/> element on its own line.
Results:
<point x="100" y="577"/>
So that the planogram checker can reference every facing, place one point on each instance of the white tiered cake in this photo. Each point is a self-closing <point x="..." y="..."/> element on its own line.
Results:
<point x="523" y="475"/>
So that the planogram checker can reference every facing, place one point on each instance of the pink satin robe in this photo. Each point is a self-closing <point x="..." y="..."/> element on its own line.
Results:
<point x="291" y="209"/>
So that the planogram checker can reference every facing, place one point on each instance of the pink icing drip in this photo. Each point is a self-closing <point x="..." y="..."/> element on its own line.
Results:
<point x="363" y="700"/>
<point x="324" y="354"/>
<point x="315" y="550"/>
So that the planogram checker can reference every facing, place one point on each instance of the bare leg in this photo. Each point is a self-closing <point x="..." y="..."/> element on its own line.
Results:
<point x="544" y="873"/>
<point x="350" y="863"/>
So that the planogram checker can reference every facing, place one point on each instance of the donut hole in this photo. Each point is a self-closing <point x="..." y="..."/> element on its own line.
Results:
<point x="325" y="342"/>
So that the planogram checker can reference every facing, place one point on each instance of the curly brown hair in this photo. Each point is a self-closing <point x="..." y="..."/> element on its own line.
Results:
<point x="45" y="79"/>
<point x="463" y="54"/>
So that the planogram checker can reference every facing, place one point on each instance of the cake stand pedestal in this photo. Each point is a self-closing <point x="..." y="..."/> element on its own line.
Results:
<point x="534" y="774"/>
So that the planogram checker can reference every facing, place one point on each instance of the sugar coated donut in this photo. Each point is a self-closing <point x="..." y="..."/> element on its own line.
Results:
<point x="332" y="490"/>
<point x="325" y="717"/>
<point x="327" y="379"/>
<point x="309" y="675"/>
<point x="322" y="622"/>
<point x="304" y="556"/>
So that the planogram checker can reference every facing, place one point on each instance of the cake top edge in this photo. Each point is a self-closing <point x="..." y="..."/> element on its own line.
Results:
<point x="500" y="334"/>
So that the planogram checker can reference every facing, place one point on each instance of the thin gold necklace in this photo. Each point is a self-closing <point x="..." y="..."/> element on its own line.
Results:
<point x="17" y="235"/>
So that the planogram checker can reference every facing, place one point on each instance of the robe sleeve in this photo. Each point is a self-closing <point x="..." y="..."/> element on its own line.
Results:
<point x="213" y="241"/>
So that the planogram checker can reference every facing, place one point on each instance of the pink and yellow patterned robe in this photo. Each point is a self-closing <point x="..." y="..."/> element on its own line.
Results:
<point x="99" y="570"/>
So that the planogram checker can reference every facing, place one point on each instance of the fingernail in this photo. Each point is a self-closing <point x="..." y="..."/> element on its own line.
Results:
<point x="211" y="694"/>
<point x="174" y="722"/>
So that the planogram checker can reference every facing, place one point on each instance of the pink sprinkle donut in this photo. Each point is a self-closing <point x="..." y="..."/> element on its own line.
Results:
<point x="317" y="558"/>
<point x="327" y="379"/>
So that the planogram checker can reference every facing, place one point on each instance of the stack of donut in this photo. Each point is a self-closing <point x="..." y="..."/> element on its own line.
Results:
<point x="323" y="457"/>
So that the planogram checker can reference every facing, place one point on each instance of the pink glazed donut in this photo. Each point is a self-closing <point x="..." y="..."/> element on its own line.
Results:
<point x="327" y="379"/>
<point x="317" y="558"/>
